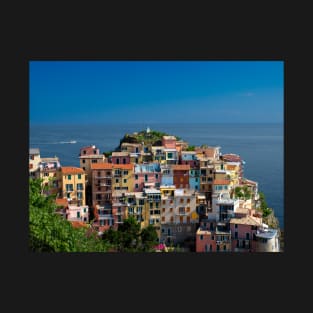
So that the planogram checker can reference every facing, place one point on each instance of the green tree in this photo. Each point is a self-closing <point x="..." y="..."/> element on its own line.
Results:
<point x="149" y="238"/>
<point x="129" y="235"/>
<point x="50" y="232"/>
<point x="263" y="205"/>
<point x="191" y="148"/>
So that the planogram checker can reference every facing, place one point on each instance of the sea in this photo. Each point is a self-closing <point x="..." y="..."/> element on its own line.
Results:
<point x="261" y="146"/>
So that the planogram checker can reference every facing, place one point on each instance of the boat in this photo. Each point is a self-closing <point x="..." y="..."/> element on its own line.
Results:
<point x="72" y="141"/>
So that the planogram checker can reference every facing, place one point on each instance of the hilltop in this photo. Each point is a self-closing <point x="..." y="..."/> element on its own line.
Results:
<point x="147" y="136"/>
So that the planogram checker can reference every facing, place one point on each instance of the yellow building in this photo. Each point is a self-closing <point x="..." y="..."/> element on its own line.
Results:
<point x="72" y="184"/>
<point x="123" y="177"/>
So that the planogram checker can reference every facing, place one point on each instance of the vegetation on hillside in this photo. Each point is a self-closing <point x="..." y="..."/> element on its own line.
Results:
<point x="50" y="232"/>
<point x="130" y="238"/>
<point x="153" y="137"/>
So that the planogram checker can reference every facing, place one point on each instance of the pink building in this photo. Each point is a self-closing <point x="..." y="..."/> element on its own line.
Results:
<point x="146" y="176"/>
<point x="243" y="232"/>
<point x="169" y="142"/>
<point x="77" y="213"/>
<point x="120" y="158"/>
<point x="213" y="237"/>
<point x="205" y="241"/>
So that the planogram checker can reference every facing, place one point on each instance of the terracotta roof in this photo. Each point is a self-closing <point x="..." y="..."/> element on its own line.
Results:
<point x="248" y="220"/>
<point x="61" y="202"/>
<point x="71" y="170"/>
<point x="101" y="166"/>
<point x="231" y="157"/>
<point x="221" y="182"/>
<point x="177" y="167"/>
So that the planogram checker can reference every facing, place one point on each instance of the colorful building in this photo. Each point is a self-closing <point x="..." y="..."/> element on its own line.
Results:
<point x="87" y="156"/>
<point x="72" y="184"/>
<point x="147" y="175"/>
<point x="181" y="175"/>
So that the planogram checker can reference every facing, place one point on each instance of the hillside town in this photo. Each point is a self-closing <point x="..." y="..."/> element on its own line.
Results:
<point x="196" y="198"/>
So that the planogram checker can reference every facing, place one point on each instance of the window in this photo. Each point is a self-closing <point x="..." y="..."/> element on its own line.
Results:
<point x="236" y="235"/>
<point x="93" y="161"/>
<point x="136" y="186"/>
<point x="78" y="214"/>
<point x="188" y="200"/>
<point x="79" y="195"/>
<point x="136" y="177"/>
<point x="84" y="151"/>
<point x="212" y="237"/>
<point x="69" y="177"/>
<point x="146" y="177"/>
<point x="172" y="219"/>
<point x="156" y="176"/>
<point x="116" y="180"/>
<point x="236" y="226"/>
<point x="247" y="236"/>
<point x="163" y="219"/>
<point x="171" y="210"/>
<point x="163" y="202"/>
<point x="125" y="181"/>
<point x="117" y="161"/>
<point x="85" y="210"/>
<point x="188" y="209"/>
<point x="181" y="200"/>
<point x="163" y="210"/>
<point x="170" y="155"/>
<point x="124" y="161"/>
<point x="181" y="219"/>
<point x="158" y="212"/>
<point x="125" y="173"/>
<point x="201" y="237"/>
<point x="84" y="161"/>
<point x="79" y="186"/>
<point x="224" y="247"/>
<point x="84" y="168"/>
<point x="69" y="187"/>
<point x="46" y="174"/>
<point x="188" y="219"/>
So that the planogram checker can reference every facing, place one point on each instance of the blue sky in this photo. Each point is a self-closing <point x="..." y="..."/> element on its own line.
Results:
<point x="156" y="91"/>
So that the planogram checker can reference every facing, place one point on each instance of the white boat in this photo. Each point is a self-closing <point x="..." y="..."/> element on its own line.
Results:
<point x="72" y="141"/>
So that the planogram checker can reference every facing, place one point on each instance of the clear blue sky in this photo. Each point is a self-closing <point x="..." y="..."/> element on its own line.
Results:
<point x="156" y="91"/>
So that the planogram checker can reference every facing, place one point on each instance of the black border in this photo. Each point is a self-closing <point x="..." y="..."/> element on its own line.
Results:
<point x="40" y="36"/>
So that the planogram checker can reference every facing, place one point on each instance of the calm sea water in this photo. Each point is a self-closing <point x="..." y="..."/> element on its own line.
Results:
<point x="261" y="146"/>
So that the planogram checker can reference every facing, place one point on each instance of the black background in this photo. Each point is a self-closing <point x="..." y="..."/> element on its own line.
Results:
<point x="99" y="282"/>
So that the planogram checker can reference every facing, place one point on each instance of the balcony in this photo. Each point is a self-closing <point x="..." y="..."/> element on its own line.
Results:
<point x="106" y="217"/>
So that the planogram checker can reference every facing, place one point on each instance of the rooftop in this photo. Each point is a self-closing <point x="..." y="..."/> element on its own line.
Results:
<point x="71" y="170"/>
<point x="248" y="220"/>
<point x="117" y="154"/>
<point x="169" y="137"/>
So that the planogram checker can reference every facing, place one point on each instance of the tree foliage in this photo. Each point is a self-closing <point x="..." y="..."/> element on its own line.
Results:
<point x="50" y="232"/>
<point x="129" y="237"/>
